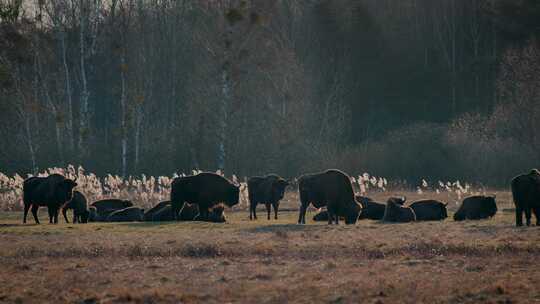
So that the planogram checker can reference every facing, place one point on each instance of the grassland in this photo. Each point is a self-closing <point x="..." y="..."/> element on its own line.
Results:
<point x="263" y="261"/>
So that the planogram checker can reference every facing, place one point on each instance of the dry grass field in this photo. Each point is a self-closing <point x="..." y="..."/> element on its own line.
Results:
<point x="488" y="261"/>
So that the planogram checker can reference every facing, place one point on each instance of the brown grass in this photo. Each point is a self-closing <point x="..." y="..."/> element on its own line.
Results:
<point x="262" y="261"/>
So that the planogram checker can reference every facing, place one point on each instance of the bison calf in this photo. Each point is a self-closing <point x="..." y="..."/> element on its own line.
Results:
<point x="476" y="207"/>
<point x="526" y="195"/>
<point x="267" y="190"/>
<point x="79" y="206"/>
<point x="398" y="214"/>
<point x="429" y="210"/>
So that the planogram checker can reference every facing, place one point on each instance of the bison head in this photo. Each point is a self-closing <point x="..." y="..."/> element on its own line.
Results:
<point x="233" y="196"/>
<point x="64" y="191"/>
<point x="278" y="189"/>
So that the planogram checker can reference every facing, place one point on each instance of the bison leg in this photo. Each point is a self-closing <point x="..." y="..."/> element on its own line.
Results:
<point x="536" y="212"/>
<point x="177" y="209"/>
<point x="302" y="214"/>
<point x="26" y="207"/>
<point x="64" y="213"/>
<point x="267" y="205"/>
<point x="276" y="207"/>
<point x="528" y="216"/>
<point x="253" y="209"/>
<point x="51" y="215"/>
<point x="35" y="208"/>
<point x="519" y="216"/>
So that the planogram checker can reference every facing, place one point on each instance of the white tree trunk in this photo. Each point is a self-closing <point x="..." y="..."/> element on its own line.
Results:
<point x="223" y="113"/>
<point x="123" y="106"/>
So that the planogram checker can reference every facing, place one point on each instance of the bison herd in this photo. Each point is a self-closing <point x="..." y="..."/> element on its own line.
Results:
<point x="202" y="197"/>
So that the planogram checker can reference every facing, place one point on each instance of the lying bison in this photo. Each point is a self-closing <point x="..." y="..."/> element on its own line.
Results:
<point x="476" y="207"/>
<point x="108" y="206"/>
<point x="148" y="214"/>
<point x="52" y="191"/>
<point x="372" y="210"/>
<point x="188" y="213"/>
<point x="397" y="213"/>
<point x="429" y="210"/>
<point x="526" y="194"/>
<point x="267" y="190"/>
<point x="163" y="212"/>
<point x="205" y="190"/>
<point x="129" y="214"/>
<point x="79" y="206"/>
<point x="331" y="188"/>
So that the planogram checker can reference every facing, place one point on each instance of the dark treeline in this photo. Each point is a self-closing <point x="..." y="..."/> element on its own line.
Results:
<point x="403" y="89"/>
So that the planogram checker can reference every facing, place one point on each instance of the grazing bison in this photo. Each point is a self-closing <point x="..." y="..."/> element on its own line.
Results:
<point x="429" y="210"/>
<point x="476" y="207"/>
<point x="79" y="205"/>
<point x="331" y="188"/>
<point x="129" y="214"/>
<point x="397" y="213"/>
<point x="205" y="190"/>
<point x="267" y="190"/>
<point x="52" y="191"/>
<point x="526" y="194"/>
<point x="108" y="206"/>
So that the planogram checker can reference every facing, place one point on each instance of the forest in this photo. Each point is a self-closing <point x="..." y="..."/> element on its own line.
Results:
<point x="410" y="89"/>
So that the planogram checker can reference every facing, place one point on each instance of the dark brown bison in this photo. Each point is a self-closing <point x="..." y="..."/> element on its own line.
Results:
<point x="188" y="213"/>
<point x="429" y="210"/>
<point x="476" y="207"/>
<point x="205" y="190"/>
<point x="526" y="194"/>
<point x="79" y="206"/>
<point x="397" y="213"/>
<point x="372" y="210"/>
<point x="129" y="214"/>
<point x="148" y="214"/>
<point x="322" y="216"/>
<point x="52" y="191"/>
<point x="267" y="190"/>
<point x="108" y="206"/>
<point x="164" y="213"/>
<point x="331" y="188"/>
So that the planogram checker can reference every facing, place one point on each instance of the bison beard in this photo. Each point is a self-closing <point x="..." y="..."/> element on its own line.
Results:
<point x="52" y="191"/>
<point x="331" y="188"/>
<point x="526" y="195"/>
<point x="204" y="189"/>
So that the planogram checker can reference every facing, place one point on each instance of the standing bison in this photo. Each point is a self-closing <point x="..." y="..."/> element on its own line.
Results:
<point x="79" y="205"/>
<point x="526" y="194"/>
<point x="52" y="191"/>
<point x="268" y="190"/>
<point x="331" y="188"/>
<point x="429" y="210"/>
<point x="476" y="207"/>
<point x="204" y="189"/>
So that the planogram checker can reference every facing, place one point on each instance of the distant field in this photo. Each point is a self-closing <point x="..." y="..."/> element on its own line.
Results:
<point x="263" y="261"/>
